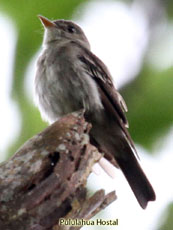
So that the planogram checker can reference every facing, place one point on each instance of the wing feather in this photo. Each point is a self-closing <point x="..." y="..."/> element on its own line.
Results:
<point x="97" y="70"/>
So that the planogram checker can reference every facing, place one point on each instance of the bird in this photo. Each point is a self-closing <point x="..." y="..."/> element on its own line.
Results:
<point x="69" y="77"/>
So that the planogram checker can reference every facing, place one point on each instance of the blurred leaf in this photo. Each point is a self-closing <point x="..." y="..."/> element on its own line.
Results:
<point x="169" y="8"/>
<point x="149" y="99"/>
<point x="168" y="222"/>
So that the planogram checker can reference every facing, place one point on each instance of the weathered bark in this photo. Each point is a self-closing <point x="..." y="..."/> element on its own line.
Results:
<point x="45" y="180"/>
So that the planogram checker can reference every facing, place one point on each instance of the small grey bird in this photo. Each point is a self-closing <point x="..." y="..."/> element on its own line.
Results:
<point x="70" y="77"/>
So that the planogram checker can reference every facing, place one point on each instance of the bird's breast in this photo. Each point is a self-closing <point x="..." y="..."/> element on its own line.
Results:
<point x="62" y="86"/>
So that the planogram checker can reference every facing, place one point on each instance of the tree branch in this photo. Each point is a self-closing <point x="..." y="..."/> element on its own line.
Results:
<point x="45" y="180"/>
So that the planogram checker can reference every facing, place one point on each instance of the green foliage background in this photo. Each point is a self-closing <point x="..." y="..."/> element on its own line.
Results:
<point x="149" y="96"/>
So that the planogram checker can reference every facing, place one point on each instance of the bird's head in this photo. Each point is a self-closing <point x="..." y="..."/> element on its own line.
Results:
<point x="61" y="30"/>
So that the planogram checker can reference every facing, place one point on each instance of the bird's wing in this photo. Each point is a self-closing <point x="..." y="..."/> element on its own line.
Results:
<point x="99" y="73"/>
<point x="96" y="69"/>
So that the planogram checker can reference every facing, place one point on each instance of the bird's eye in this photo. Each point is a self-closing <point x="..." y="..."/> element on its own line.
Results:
<point x="71" y="29"/>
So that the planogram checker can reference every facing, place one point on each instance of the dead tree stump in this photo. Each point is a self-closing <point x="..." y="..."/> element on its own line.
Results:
<point x="45" y="180"/>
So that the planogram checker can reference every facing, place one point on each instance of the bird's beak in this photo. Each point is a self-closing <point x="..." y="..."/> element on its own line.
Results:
<point x="46" y="22"/>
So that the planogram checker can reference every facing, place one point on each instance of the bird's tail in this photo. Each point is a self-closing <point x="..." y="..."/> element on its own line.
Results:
<point x="136" y="178"/>
<point x="117" y="147"/>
